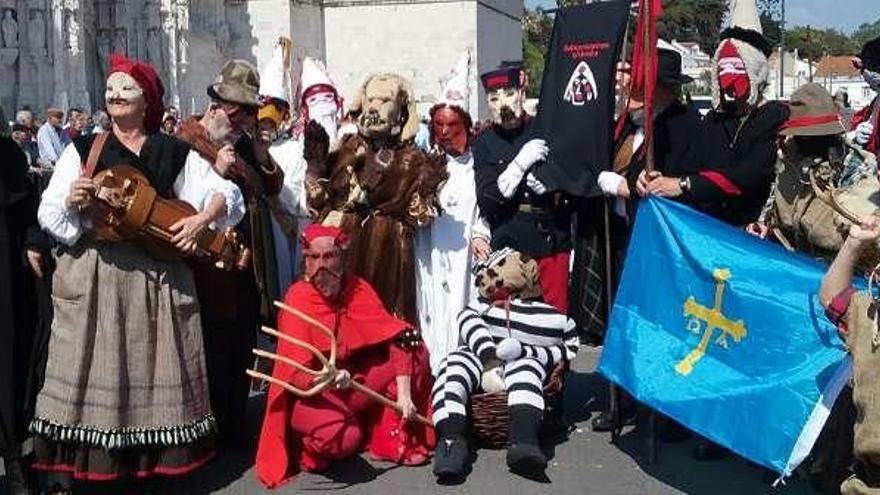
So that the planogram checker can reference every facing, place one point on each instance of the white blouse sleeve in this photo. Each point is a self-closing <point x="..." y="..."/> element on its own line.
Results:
<point x="197" y="183"/>
<point x="480" y="228"/>
<point x="289" y="156"/>
<point x="61" y="222"/>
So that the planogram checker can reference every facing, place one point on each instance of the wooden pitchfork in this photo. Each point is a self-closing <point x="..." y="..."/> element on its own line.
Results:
<point x="324" y="376"/>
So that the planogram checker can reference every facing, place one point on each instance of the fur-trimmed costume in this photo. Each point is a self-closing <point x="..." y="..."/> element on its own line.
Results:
<point x="379" y="191"/>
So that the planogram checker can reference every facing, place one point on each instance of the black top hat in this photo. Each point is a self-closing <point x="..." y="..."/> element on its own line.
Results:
<point x="669" y="67"/>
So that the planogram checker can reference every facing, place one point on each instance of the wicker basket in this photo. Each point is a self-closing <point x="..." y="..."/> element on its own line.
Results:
<point x="490" y="418"/>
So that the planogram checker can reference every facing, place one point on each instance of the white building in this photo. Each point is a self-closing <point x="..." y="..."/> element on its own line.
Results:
<point x="838" y="73"/>
<point x="56" y="50"/>
<point x="694" y="61"/>
<point x="796" y="73"/>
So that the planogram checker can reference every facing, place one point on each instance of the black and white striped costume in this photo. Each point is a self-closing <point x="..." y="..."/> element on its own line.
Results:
<point x="547" y="337"/>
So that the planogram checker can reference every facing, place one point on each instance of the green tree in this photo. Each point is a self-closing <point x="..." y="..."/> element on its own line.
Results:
<point x="693" y="20"/>
<point x="814" y="44"/>
<point x="865" y="33"/>
<point x="537" y="28"/>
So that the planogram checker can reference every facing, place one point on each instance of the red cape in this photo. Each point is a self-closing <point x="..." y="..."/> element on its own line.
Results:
<point x="361" y="321"/>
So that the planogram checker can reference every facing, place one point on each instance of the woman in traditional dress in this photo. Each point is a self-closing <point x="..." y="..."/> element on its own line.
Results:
<point x="126" y="394"/>
<point x="446" y="251"/>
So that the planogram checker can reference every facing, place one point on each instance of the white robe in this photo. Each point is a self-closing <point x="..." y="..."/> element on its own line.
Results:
<point x="288" y="154"/>
<point x="443" y="256"/>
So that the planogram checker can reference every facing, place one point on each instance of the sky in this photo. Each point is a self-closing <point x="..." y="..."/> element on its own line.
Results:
<point x="845" y="15"/>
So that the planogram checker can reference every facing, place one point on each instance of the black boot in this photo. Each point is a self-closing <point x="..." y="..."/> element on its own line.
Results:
<point x="524" y="456"/>
<point x="452" y="452"/>
<point x="450" y="458"/>
<point x="526" y="459"/>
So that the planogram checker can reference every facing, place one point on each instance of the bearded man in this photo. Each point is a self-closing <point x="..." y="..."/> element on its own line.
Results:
<point x="373" y="348"/>
<point x="865" y="123"/>
<point x="521" y="212"/>
<point x="379" y="187"/>
<point x="231" y="301"/>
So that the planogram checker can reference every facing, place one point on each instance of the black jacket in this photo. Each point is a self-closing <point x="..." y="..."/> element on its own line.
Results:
<point x="537" y="225"/>
<point x="20" y="331"/>
<point x="679" y="146"/>
<point x="740" y="157"/>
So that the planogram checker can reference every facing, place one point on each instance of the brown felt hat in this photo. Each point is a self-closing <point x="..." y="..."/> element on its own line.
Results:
<point x="813" y="113"/>
<point x="238" y="82"/>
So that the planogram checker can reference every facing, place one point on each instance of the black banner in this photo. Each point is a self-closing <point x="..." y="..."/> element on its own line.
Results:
<point x="576" y="110"/>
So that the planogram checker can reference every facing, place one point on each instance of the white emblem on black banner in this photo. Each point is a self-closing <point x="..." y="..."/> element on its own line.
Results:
<point x="581" y="87"/>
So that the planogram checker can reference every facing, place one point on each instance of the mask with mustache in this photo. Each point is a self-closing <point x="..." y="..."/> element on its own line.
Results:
<point x="506" y="105"/>
<point x="121" y="86"/>
<point x="324" y="264"/>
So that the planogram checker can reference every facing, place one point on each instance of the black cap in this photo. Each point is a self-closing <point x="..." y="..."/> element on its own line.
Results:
<point x="506" y="77"/>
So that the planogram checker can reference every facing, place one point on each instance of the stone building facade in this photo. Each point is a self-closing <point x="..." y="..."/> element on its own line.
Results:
<point x="54" y="52"/>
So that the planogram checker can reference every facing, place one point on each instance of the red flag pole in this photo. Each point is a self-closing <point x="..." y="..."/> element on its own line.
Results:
<point x="649" y="52"/>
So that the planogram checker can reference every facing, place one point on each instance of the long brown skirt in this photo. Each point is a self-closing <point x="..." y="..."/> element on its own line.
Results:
<point x="126" y="390"/>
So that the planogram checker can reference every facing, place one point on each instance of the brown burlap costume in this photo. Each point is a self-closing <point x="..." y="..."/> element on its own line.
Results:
<point x="866" y="395"/>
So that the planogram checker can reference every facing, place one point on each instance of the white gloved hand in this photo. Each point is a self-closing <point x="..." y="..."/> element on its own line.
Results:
<point x="535" y="184"/>
<point x="531" y="153"/>
<point x="492" y="381"/>
<point x="609" y="182"/>
<point x="509" y="349"/>
<point x="863" y="133"/>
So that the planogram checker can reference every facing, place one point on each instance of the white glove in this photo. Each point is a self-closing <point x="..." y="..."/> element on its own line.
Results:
<point x="863" y="133"/>
<point x="535" y="185"/>
<point x="609" y="182"/>
<point x="509" y="350"/>
<point x="531" y="153"/>
<point x="492" y="381"/>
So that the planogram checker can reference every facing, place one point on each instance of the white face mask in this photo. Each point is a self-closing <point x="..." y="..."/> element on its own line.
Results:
<point x="873" y="79"/>
<point x="505" y="103"/>
<point x="121" y="86"/>
<point x="325" y="113"/>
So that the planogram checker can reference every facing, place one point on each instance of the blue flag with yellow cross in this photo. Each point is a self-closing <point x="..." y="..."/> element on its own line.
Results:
<point x="724" y="333"/>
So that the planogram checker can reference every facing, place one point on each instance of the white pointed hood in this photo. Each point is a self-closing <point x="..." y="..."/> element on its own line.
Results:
<point x="274" y="78"/>
<point x="454" y="88"/>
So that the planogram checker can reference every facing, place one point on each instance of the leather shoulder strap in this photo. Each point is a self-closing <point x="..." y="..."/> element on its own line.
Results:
<point x="88" y="169"/>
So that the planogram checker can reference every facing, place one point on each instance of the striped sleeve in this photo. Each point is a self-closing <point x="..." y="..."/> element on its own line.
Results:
<point x="551" y="355"/>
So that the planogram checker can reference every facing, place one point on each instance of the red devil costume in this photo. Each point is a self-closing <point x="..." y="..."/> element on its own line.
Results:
<point x="376" y="348"/>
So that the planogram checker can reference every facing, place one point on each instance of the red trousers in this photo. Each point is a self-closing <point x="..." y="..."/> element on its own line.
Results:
<point x="337" y="423"/>
<point x="553" y="275"/>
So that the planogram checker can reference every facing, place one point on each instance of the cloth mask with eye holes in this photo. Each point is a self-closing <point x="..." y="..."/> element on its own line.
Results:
<point x="507" y="273"/>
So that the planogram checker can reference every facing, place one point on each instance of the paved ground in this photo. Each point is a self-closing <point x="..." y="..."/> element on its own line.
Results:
<point x="585" y="463"/>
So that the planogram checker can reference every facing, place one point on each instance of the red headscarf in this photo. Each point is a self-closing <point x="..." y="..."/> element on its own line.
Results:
<point x="149" y="81"/>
